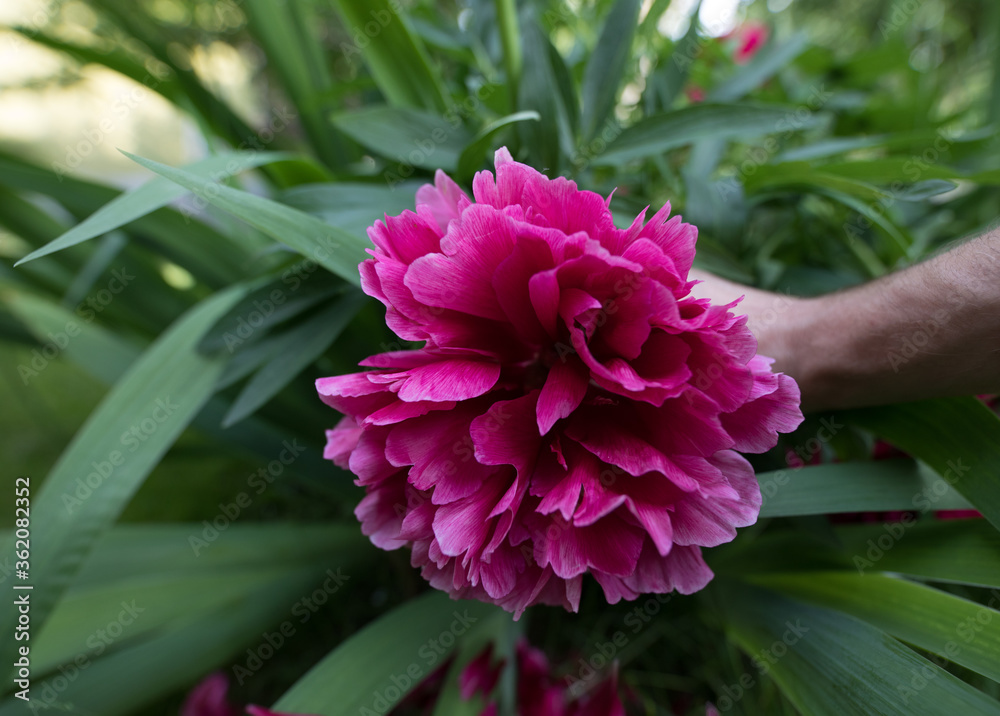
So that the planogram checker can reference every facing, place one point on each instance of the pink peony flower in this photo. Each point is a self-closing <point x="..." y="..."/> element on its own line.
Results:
<point x="695" y="94"/>
<point x="208" y="698"/>
<point x="750" y="37"/>
<point x="573" y="409"/>
<point x="538" y="692"/>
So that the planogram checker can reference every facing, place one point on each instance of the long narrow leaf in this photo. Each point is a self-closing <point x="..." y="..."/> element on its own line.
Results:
<point x="379" y="665"/>
<point x="850" y="487"/>
<point x="153" y="195"/>
<point x="827" y="662"/>
<point x="297" y="348"/>
<point x="662" y="132"/>
<point x="330" y="247"/>
<point x="964" y="632"/>
<point x="603" y="76"/>
<point x="115" y="450"/>
<point x="958" y="437"/>
<point x="394" y="54"/>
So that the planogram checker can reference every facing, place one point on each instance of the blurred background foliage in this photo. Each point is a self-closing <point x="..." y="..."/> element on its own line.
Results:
<point x="847" y="139"/>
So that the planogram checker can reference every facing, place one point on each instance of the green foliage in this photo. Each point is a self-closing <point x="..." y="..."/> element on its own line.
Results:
<point x="860" y="139"/>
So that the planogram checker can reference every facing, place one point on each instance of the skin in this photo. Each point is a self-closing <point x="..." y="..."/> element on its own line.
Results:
<point x="931" y="330"/>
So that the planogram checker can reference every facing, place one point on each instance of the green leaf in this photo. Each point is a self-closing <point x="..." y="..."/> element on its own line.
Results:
<point x="921" y="191"/>
<point x="120" y="682"/>
<point x="765" y="64"/>
<point x="271" y="301"/>
<point x="665" y="82"/>
<point x="131" y="549"/>
<point x="287" y="32"/>
<point x="510" y="38"/>
<point x="104" y="354"/>
<point x="173" y="573"/>
<point x="153" y="195"/>
<point x="100" y="261"/>
<point x="154" y="401"/>
<point x="332" y="248"/>
<point x="541" y="91"/>
<point x="296" y="349"/>
<point x="384" y="661"/>
<point x="352" y="206"/>
<point x="960" y="551"/>
<point x="411" y="137"/>
<point x="160" y="601"/>
<point x="900" y="170"/>
<point x="606" y="66"/>
<point x="826" y="662"/>
<point x="394" y="54"/>
<point x="472" y="156"/>
<point x="958" y="437"/>
<point x="964" y="632"/>
<point x="662" y="132"/>
<point x="850" y="487"/>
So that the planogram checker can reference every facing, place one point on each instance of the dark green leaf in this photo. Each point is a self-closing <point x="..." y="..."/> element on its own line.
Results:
<point x="657" y="134"/>
<point x="606" y="66"/>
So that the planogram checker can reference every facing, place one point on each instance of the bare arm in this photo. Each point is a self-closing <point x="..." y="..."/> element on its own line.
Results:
<point x="931" y="330"/>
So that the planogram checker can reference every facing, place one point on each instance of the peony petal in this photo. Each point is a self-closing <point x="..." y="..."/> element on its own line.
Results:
<point x="564" y="390"/>
<point x="449" y="380"/>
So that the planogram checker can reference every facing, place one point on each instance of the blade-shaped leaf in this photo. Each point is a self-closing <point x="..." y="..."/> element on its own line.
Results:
<point x="287" y="32"/>
<point x="352" y="207"/>
<point x="827" y="662"/>
<point x="379" y="665"/>
<point x="662" y="132"/>
<point x="120" y="682"/>
<point x="411" y="137"/>
<point x="153" y="195"/>
<point x="472" y="156"/>
<point x="111" y="455"/>
<point x="765" y="64"/>
<point x="964" y="632"/>
<point x="536" y="92"/>
<point x="850" y="487"/>
<point x="336" y="250"/>
<point x="961" y="551"/>
<point x="297" y="348"/>
<point x="394" y="54"/>
<point x="958" y="437"/>
<point x="603" y="76"/>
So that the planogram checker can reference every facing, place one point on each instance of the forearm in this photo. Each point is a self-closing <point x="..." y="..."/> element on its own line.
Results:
<point x="929" y="331"/>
